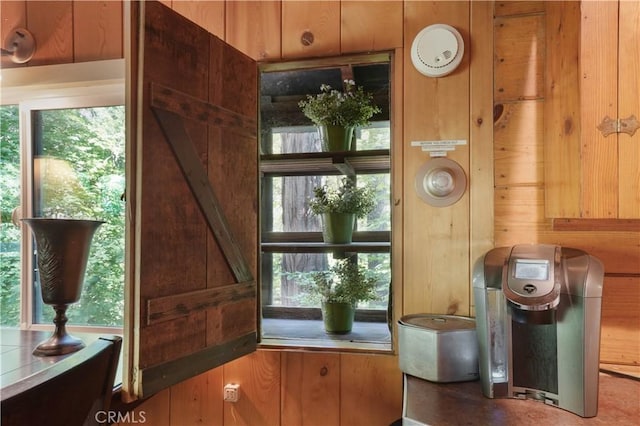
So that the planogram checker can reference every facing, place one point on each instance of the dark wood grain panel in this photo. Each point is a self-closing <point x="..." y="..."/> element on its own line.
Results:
<point x="196" y="176"/>
<point x="195" y="170"/>
<point x="177" y="305"/>
<point x="191" y="108"/>
<point x="172" y="372"/>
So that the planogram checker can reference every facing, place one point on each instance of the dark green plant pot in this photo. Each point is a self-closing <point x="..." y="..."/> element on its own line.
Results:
<point x="338" y="227"/>
<point x="338" y="317"/>
<point x="336" y="138"/>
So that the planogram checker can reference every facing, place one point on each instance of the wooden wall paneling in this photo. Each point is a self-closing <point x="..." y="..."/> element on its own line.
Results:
<point x="320" y="18"/>
<point x="619" y="251"/>
<point x="253" y="27"/>
<point x="629" y="104"/>
<point x="51" y="24"/>
<point x="97" y="30"/>
<point x="518" y="146"/>
<point x="481" y="192"/>
<point x="370" y="389"/>
<point x="13" y="14"/>
<point x="519" y="215"/>
<point x="562" y="160"/>
<point x="310" y="388"/>
<point x="518" y="7"/>
<point x="258" y="375"/>
<point x="154" y="411"/>
<point x="436" y="251"/>
<point x="519" y="56"/>
<point x="198" y="400"/>
<point x="370" y="26"/>
<point x="620" y="333"/>
<point x="599" y="98"/>
<point x="209" y="14"/>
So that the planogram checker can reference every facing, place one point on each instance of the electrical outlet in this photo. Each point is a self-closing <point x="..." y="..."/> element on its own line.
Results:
<point x="232" y="392"/>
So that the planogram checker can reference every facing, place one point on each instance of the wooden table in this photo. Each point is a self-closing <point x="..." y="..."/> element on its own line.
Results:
<point x="17" y="360"/>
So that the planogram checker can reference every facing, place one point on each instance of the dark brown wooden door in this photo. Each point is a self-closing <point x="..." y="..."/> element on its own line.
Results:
<point x="192" y="192"/>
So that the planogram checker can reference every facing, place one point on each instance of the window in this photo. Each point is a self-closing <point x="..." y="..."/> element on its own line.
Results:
<point x="292" y="165"/>
<point x="62" y="155"/>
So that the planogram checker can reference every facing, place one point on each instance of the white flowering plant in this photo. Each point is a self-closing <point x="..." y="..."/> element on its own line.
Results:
<point x="353" y="107"/>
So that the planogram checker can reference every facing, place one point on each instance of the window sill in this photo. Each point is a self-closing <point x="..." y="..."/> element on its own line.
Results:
<point x="310" y="334"/>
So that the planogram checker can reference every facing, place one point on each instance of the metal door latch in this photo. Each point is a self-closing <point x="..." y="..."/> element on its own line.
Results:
<point x="627" y="125"/>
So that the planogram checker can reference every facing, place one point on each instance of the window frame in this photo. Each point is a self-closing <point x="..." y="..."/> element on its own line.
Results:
<point x="384" y="237"/>
<point x="66" y="86"/>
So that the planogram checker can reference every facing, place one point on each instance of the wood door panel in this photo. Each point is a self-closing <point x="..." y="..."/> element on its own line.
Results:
<point x="233" y="80"/>
<point x="195" y="200"/>
<point x="562" y="161"/>
<point x="599" y="98"/>
<point x="628" y="105"/>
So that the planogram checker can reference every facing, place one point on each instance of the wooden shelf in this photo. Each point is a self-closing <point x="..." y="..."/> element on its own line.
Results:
<point x="604" y="225"/>
<point x="307" y="247"/>
<point x="326" y="163"/>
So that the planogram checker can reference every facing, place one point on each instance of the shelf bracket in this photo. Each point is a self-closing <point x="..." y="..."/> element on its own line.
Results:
<point x="344" y="166"/>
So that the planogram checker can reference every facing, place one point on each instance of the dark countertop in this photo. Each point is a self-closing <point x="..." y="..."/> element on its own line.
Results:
<point x="456" y="404"/>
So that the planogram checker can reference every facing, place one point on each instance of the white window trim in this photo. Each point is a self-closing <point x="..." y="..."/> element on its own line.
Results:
<point x="90" y="84"/>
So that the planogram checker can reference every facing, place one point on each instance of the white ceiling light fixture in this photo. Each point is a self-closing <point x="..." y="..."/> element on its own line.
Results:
<point x="437" y="50"/>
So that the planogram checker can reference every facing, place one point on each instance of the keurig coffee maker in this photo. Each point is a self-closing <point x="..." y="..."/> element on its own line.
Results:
<point x="538" y="325"/>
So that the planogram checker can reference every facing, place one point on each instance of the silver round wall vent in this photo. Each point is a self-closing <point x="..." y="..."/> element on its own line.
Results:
<point x="440" y="182"/>
<point x="437" y="50"/>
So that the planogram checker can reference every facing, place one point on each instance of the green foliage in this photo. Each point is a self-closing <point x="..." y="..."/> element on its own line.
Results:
<point x="353" y="107"/>
<point x="346" y="198"/>
<point x="345" y="282"/>
<point x="89" y="144"/>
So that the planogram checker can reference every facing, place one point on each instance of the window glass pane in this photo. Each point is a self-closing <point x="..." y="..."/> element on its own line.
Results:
<point x="291" y="272"/>
<point x="294" y="163"/>
<point x="289" y="140"/>
<point x="289" y="204"/>
<point x="9" y="201"/>
<point x="79" y="167"/>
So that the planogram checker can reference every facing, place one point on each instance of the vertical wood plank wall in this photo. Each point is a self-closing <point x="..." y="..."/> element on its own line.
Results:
<point x="437" y="246"/>
<point x="533" y="103"/>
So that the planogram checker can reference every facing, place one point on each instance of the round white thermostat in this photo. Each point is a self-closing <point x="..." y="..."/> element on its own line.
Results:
<point x="437" y="50"/>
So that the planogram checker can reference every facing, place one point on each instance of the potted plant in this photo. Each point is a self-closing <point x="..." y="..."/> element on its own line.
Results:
<point x="339" y="290"/>
<point x="339" y="208"/>
<point x="337" y="113"/>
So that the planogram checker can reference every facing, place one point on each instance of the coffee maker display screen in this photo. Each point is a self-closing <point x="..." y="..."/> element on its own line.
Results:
<point x="527" y="269"/>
